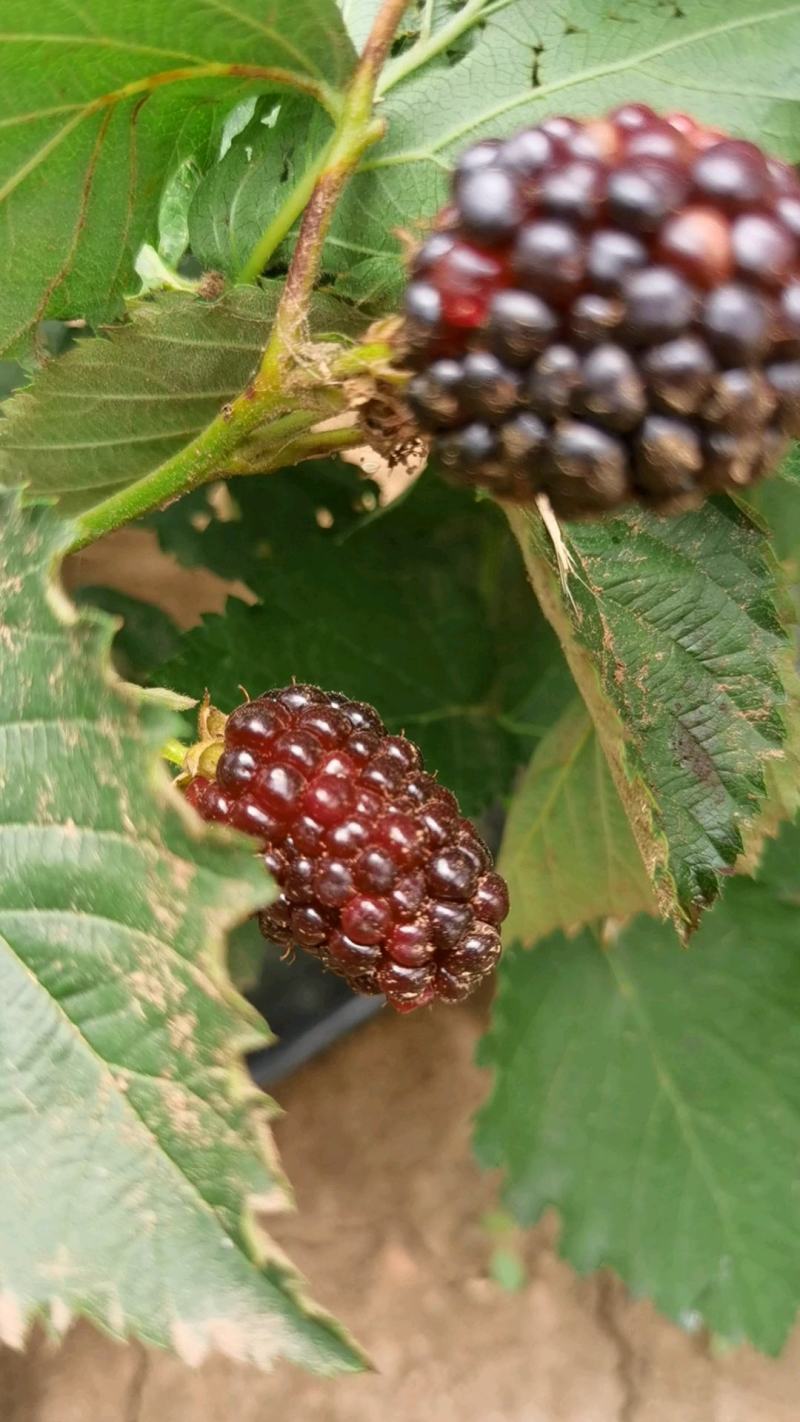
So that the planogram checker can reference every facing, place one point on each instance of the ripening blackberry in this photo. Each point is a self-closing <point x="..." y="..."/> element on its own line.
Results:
<point x="609" y="311"/>
<point x="379" y="875"/>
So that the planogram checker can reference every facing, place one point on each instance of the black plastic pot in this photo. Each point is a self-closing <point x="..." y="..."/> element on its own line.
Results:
<point x="308" y="1010"/>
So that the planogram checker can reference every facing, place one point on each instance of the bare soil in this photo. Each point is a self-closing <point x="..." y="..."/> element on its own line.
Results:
<point x="390" y="1231"/>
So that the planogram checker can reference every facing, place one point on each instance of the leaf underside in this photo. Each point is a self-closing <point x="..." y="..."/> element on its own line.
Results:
<point x="674" y="639"/>
<point x="134" y="1152"/>
<point x="653" y="1098"/>
<point x="568" y="854"/>
<point x="99" y="104"/>
<point x="116" y="406"/>
<point x="512" y="64"/>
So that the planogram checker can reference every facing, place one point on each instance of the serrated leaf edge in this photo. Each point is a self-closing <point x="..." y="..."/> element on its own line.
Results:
<point x="263" y="1252"/>
<point x="637" y="800"/>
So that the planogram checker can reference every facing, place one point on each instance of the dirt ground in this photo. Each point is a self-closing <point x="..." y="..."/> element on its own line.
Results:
<point x="389" y="1229"/>
<point x="390" y="1232"/>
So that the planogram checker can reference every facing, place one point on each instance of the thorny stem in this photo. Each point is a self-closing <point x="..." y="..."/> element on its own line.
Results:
<point x="281" y="392"/>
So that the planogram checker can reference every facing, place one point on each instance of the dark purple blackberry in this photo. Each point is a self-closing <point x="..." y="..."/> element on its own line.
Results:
<point x="611" y="255"/>
<point x="549" y="258"/>
<point x="611" y="388"/>
<point x="379" y="876"/>
<point x="595" y="318"/>
<point x="554" y="380"/>
<point x="643" y="193"/>
<point x="490" y="206"/>
<point x="659" y="303"/>
<point x="668" y="455"/>
<point x="521" y="325"/>
<point x="489" y="389"/>
<point x="588" y="468"/>
<point x="679" y="374"/>
<point x="610" y="311"/>
<point x="738" y="324"/>
<point x="435" y="394"/>
<point x="575" y="192"/>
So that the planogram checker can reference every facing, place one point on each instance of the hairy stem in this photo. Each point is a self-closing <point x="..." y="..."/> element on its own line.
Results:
<point x="355" y="132"/>
<point x="282" y="402"/>
<point x="198" y="462"/>
<point x="284" y="219"/>
<point x="429" y="45"/>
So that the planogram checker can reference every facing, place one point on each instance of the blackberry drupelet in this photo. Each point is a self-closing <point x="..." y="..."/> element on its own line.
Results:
<point x="609" y="311"/>
<point x="380" y="877"/>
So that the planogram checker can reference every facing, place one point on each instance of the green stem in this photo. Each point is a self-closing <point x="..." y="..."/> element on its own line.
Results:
<point x="356" y="131"/>
<point x="284" y="219"/>
<point x="174" y="751"/>
<point x="426" y="23"/>
<point x="366" y="357"/>
<point x="316" y="445"/>
<point x="427" y="47"/>
<point x="278" y="391"/>
<point x="195" y="464"/>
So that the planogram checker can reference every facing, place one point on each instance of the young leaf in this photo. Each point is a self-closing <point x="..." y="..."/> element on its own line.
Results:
<point x="114" y="407"/>
<point x="488" y="69"/>
<point x="96" y="112"/>
<point x="238" y="197"/>
<point x="653" y="1098"/>
<point x="673" y="637"/>
<point x="421" y="612"/>
<point x="132" y="1145"/>
<point x="568" y="852"/>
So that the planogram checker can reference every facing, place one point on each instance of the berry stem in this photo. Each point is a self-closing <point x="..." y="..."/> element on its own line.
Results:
<point x="286" y="399"/>
<point x="356" y="131"/>
<point x="174" y="751"/>
<point x="203" y="459"/>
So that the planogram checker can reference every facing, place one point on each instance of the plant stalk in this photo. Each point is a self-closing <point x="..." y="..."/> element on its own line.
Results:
<point x="277" y="392"/>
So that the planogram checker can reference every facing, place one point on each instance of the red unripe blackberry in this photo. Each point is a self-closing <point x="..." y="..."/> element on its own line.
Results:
<point x="379" y="876"/>
<point x="605" y="308"/>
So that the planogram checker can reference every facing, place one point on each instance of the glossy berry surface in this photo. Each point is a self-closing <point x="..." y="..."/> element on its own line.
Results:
<point x="605" y="309"/>
<point x="379" y="876"/>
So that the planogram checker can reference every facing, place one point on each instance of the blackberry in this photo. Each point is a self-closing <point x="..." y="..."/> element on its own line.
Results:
<point x="609" y="311"/>
<point x="379" y="875"/>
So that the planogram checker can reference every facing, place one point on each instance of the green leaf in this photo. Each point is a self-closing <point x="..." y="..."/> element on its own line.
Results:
<point x="97" y="111"/>
<point x="778" y="503"/>
<point x="246" y="953"/>
<point x="114" y="407"/>
<point x="653" y="1098"/>
<point x="239" y="196"/>
<point x="790" y="468"/>
<point x="673" y="637"/>
<point x="146" y="636"/>
<point x="568" y="852"/>
<point x="132" y="1145"/>
<point x="424" y="612"/>
<point x="731" y="62"/>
